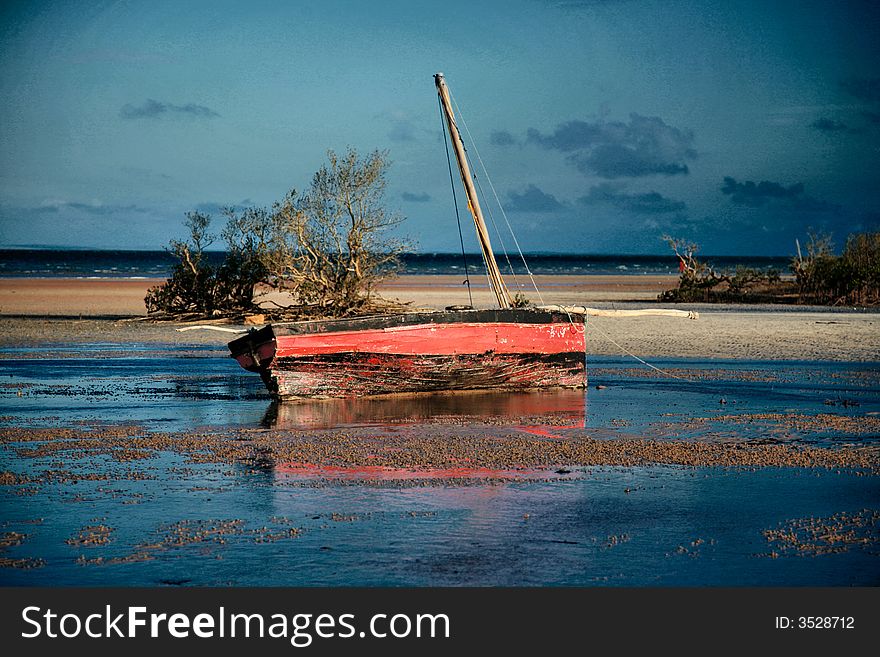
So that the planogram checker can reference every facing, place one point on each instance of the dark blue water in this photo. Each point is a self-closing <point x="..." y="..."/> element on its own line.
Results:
<point x="207" y="388"/>
<point x="588" y="531"/>
<point x="157" y="264"/>
<point x="617" y="526"/>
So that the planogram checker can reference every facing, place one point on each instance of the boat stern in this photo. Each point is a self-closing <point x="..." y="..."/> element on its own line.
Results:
<point x="255" y="351"/>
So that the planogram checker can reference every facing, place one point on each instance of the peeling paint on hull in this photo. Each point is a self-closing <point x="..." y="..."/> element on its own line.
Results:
<point x="426" y="353"/>
<point x="357" y="375"/>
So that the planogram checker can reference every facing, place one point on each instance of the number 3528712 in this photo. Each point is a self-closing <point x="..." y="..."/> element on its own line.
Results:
<point x="816" y="622"/>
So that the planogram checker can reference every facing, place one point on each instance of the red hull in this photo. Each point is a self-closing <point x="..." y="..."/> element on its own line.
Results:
<point x="439" y="339"/>
<point x="418" y="354"/>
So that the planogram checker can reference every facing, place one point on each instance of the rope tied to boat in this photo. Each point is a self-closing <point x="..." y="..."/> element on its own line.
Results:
<point x="632" y="355"/>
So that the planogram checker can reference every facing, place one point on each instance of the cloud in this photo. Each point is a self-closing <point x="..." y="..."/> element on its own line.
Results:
<point x="756" y="195"/>
<point x="830" y="125"/>
<point x="144" y="173"/>
<point x="152" y="109"/>
<point x="533" y="200"/>
<point x="617" y="161"/>
<point x="212" y="207"/>
<point x="644" y="146"/>
<point x="568" y="136"/>
<point x="403" y="128"/>
<point x="645" y="204"/>
<point x="102" y="209"/>
<point x="98" y="209"/>
<point x="402" y="132"/>
<point x="866" y="89"/>
<point x="423" y="197"/>
<point x="502" y="138"/>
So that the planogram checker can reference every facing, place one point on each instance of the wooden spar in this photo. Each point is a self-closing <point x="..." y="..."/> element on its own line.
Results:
<point x="498" y="286"/>
<point x="599" y="312"/>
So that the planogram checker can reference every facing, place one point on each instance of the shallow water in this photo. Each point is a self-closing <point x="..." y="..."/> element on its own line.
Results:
<point x="222" y="524"/>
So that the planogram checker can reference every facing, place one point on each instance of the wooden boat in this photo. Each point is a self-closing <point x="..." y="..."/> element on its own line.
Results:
<point x="417" y="352"/>
<point x="423" y="352"/>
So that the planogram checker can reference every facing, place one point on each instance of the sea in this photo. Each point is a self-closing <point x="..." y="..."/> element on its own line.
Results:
<point x="87" y="263"/>
<point x="123" y="514"/>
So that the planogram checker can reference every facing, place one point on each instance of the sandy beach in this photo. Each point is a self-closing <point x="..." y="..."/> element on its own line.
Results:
<point x="125" y="297"/>
<point x="139" y="455"/>
<point x="35" y="311"/>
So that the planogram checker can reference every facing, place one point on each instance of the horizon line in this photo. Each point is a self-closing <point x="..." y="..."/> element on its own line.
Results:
<point x="41" y="247"/>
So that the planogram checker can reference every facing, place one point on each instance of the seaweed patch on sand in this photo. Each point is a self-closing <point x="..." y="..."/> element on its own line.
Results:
<point x="428" y="448"/>
<point x="812" y="537"/>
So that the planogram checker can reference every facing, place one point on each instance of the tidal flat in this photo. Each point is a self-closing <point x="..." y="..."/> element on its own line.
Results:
<point x="163" y="464"/>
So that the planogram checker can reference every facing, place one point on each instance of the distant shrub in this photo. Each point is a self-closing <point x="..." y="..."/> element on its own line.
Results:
<point x="820" y="277"/>
<point x="862" y="257"/>
<point x="700" y="282"/>
<point x="853" y="278"/>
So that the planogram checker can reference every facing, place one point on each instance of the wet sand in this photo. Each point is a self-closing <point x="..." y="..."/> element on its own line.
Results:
<point x="39" y="311"/>
<point x="486" y="449"/>
<point x="73" y="297"/>
<point x="718" y="333"/>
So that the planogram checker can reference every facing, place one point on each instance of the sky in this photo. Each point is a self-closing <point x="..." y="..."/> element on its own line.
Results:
<point x="603" y="125"/>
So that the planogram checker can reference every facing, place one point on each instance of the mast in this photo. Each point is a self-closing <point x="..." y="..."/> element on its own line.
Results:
<point x="498" y="287"/>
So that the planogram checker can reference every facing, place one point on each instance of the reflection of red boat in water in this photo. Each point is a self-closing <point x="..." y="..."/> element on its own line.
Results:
<point x="548" y="409"/>
<point x="545" y="414"/>
<point x="306" y="471"/>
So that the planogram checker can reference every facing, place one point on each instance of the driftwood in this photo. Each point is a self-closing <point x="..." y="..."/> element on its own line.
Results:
<point x="207" y="327"/>
<point x="599" y="312"/>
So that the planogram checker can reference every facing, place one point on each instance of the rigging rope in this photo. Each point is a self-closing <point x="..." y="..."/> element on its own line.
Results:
<point x="498" y="201"/>
<point x="489" y="281"/>
<point x="483" y="194"/>
<point x="629" y="353"/>
<point x="492" y="219"/>
<point x="467" y="277"/>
